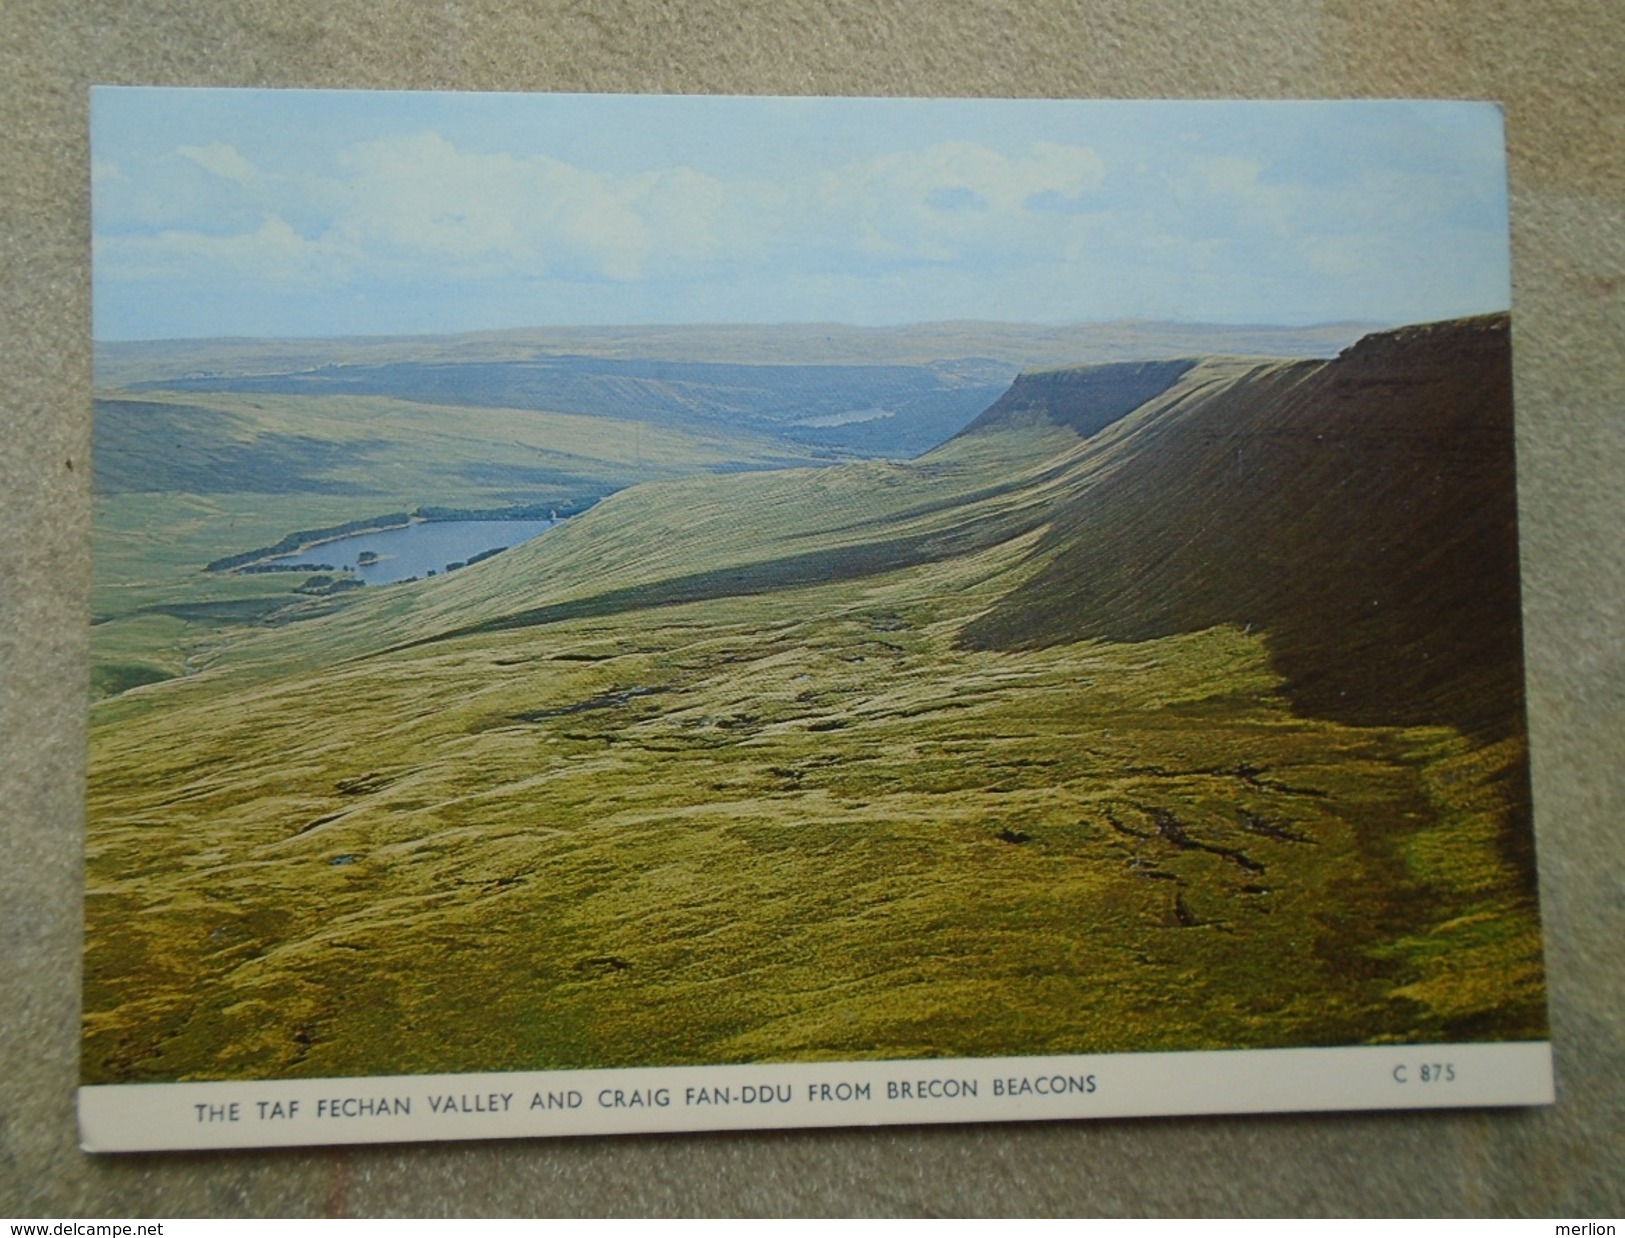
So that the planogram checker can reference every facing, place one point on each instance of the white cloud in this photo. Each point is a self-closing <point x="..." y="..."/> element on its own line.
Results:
<point x="419" y="208"/>
<point x="1001" y="180"/>
<point x="951" y="200"/>
<point x="422" y="200"/>
<point x="682" y="220"/>
<point x="222" y="160"/>
<point x="272" y="254"/>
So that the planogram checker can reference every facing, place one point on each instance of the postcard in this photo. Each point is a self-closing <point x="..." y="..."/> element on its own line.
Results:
<point x="679" y="613"/>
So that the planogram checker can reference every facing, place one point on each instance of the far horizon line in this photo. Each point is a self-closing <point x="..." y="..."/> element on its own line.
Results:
<point x="960" y="323"/>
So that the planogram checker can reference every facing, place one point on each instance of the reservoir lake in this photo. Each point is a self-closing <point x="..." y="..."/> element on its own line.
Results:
<point x="417" y="549"/>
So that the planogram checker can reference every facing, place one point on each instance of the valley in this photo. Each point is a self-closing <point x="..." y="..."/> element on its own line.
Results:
<point x="1161" y="704"/>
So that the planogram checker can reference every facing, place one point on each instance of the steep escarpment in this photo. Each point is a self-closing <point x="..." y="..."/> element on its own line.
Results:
<point x="1360" y="511"/>
<point x="1086" y="399"/>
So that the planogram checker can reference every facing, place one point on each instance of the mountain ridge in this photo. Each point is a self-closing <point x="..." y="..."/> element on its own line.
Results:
<point x="1395" y="460"/>
<point x="1216" y="501"/>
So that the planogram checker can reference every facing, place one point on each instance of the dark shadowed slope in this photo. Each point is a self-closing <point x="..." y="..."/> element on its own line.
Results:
<point x="1360" y="511"/>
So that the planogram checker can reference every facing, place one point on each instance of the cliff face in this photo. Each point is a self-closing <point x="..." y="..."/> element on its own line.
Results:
<point x="1360" y="511"/>
<point x="1085" y="399"/>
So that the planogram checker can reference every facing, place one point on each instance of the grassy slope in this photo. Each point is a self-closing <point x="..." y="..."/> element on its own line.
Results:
<point x="775" y="827"/>
<point x="640" y="541"/>
<point x="182" y="480"/>
<point x="770" y="818"/>
<point x="721" y="536"/>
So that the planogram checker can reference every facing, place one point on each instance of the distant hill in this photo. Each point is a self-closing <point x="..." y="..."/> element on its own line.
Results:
<point x="875" y="392"/>
<point x="1012" y="345"/>
<point x="1361" y="511"/>
<point x="869" y="410"/>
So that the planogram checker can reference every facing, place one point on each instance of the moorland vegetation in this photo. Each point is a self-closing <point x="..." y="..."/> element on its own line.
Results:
<point x="1168" y="705"/>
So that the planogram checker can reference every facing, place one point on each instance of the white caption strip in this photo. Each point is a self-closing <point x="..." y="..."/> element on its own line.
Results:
<point x="156" y="1116"/>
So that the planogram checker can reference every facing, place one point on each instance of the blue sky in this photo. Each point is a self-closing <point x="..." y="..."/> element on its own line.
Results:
<point x="319" y="213"/>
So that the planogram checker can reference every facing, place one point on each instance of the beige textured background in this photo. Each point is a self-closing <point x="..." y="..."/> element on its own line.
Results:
<point x="1559" y="66"/>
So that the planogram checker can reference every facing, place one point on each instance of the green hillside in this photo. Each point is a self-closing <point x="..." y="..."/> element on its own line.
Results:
<point x="183" y="480"/>
<point x="847" y="762"/>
